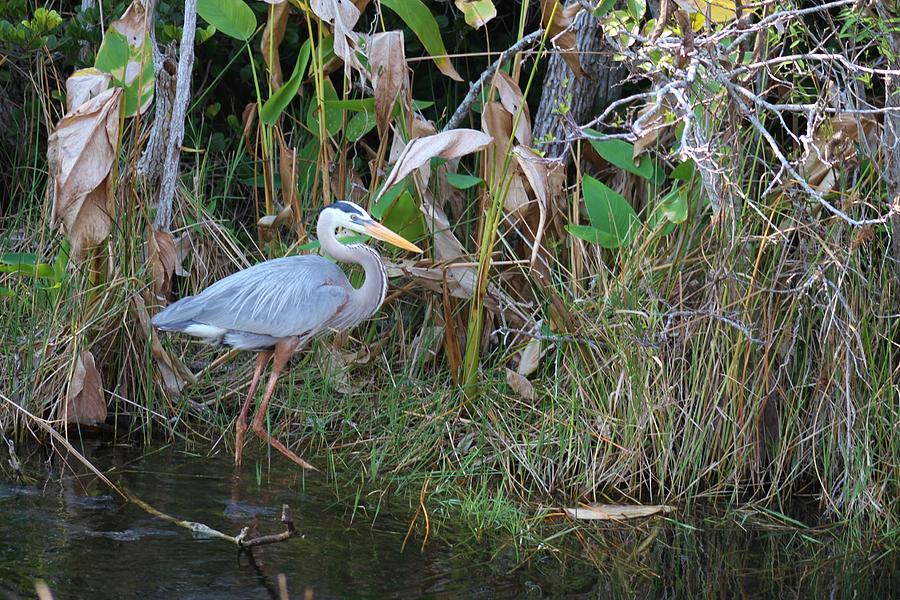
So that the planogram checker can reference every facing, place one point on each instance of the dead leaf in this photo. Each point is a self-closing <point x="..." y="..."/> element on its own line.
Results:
<point x="162" y="255"/>
<point x="81" y="151"/>
<point x="91" y="224"/>
<point x="84" y="397"/>
<point x="520" y="385"/>
<point x="616" y="512"/>
<point x="530" y="357"/>
<point x="248" y="118"/>
<point x="342" y="15"/>
<point x="562" y="31"/>
<point x="388" y="72"/>
<point x="537" y="173"/>
<point x="477" y="12"/>
<point x="287" y="170"/>
<point x="174" y="373"/>
<point x="183" y="246"/>
<point x="272" y="36"/>
<point x="84" y="84"/>
<point x="269" y="224"/>
<point x="448" y="144"/>
<point x="512" y="100"/>
<point x="834" y="147"/>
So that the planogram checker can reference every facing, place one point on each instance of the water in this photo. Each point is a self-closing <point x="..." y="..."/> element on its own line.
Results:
<point x="86" y="543"/>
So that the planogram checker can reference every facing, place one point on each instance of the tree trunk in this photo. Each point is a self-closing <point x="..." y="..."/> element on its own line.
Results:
<point x="568" y="97"/>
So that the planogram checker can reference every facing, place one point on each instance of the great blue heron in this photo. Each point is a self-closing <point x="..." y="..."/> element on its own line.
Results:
<point x="276" y="306"/>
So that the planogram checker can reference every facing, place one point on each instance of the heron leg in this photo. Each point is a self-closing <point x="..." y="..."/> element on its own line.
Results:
<point x="283" y="352"/>
<point x="241" y="426"/>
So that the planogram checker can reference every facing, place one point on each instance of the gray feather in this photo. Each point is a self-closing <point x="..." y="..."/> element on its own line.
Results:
<point x="291" y="296"/>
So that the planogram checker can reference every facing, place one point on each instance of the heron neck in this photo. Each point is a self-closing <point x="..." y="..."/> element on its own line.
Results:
<point x="366" y="299"/>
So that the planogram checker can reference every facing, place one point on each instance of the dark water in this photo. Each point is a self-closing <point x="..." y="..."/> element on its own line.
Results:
<point x="85" y="542"/>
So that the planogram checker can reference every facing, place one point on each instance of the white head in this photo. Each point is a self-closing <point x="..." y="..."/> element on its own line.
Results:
<point x="351" y="216"/>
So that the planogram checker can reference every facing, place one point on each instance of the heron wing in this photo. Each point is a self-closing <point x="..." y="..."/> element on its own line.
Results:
<point x="295" y="295"/>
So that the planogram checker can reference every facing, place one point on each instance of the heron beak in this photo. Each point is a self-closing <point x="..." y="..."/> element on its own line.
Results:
<point x="377" y="230"/>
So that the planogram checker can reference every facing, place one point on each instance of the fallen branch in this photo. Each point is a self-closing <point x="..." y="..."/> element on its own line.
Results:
<point x="463" y="109"/>
<point x="240" y="540"/>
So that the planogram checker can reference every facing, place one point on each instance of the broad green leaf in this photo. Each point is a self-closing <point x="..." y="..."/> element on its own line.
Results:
<point x="610" y="212"/>
<point x="620" y="153"/>
<point x="25" y="263"/>
<point x="672" y="208"/>
<point x="477" y="12"/>
<point x="418" y="18"/>
<point x="125" y="55"/>
<point x="603" y="8"/>
<point x="592" y="235"/>
<point x="463" y="182"/>
<point x="637" y="8"/>
<point x="232" y="17"/>
<point x="401" y="215"/>
<point x="359" y="125"/>
<point x="684" y="171"/>
<point x="5" y="292"/>
<point x="333" y="116"/>
<point x="385" y="200"/>
<point x="277" y="102"/>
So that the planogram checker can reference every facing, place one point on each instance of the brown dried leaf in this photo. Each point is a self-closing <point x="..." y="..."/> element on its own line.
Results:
<point x="133" y="25"/>
<point x="287" y="169"/>
<point x="342" y="15"/>
<point x="448" y="144"/>
<point x="537" y="173"/>
<point x="512" y="100"/>
<point x="616" y="512"/>
<point x="84" y="397"/>
<point x="272" y="36"/>
<point x="530" y="357"/>
<point x="388" y="72"/>
<point x="248" y="118"/>
<point x="89" y="226"/>
<point x="174" y="374"/>
<point x="81" y="151"/>
<point x="834" y="148"/>
<point x="84" y="84"/>
<point x="561" y="30"/>
<point x="163" y="256"/>
<point x="520" y="385"/>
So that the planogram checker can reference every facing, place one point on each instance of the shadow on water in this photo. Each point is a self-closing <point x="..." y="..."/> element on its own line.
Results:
<point x="85" y="542"/>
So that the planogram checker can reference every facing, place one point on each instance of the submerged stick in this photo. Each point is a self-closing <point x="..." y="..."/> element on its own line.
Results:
<point x="240" y="540"/>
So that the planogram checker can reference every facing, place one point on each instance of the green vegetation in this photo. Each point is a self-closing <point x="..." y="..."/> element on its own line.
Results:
<point x="697" y="304"/>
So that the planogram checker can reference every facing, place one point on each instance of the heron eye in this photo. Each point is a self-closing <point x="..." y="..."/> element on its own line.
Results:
<point x="354" y="218"/>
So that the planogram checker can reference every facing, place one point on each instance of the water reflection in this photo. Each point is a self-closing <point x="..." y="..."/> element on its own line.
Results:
<point x="81" y="538"/>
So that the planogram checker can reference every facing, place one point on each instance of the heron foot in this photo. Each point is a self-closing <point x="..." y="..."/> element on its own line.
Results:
<point x="259" y="430"/>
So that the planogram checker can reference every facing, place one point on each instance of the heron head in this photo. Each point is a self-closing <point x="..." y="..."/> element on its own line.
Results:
<point x="352" y="216"/>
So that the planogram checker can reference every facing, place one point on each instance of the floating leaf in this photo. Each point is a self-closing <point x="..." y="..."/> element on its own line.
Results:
<point x="277" y="102"/>
<point x="418" y="18"/>
<point x="232" y="17"/>
<point x="616" y="512"/>
<point x="477" y="12"/>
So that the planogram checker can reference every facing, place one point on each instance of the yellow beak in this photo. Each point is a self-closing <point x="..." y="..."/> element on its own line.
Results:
<point x="377" y="230"/>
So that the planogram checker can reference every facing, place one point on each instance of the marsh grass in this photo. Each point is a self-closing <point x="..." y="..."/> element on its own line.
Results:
<point x="750" y="360"/>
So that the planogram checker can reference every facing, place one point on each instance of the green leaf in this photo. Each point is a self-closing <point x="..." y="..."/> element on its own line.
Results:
<point x="636" y="8"/>
<point x="277" y="102"/>
<point x="232" y="17"/>
<point x="463" y="182"/>
<point x="610" y="213"/>
<point x="684" y="171"/>
<point x="620" y="153"/>
<point x="5" y="292"/>
<point x="25" y="263"/>
<point x="671" y="208"/>
<point x="334" y="117"/>
<point x="359" y="125"/>
<point x="401" y="215"/>
<point x="418" y="18"/>
<point x="592" y="235"/>
<point x="307" y="160"/>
